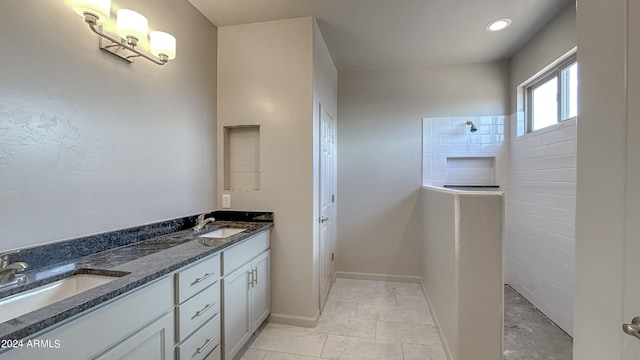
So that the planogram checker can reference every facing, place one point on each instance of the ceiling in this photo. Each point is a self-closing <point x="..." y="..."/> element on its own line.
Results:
<point x="375" y="34"/>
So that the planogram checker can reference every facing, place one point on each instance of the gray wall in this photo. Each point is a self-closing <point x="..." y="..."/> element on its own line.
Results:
<point x="607" y="157"/>
<point x="554" y="40"/>
<point x="266" y="78"/>
<point x="379" y="164"/>
<point x="89" y="143"/>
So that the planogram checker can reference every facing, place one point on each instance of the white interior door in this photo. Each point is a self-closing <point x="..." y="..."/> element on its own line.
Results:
<point x="631" y="344"/>
<point x="327" y="202"/>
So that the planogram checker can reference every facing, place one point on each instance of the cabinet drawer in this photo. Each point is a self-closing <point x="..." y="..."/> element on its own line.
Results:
<point x="215" y="354"/>
<point x="197" y="310"/>
<point x="197" y="277"/>
<point x="242" y="253"/>
<point x="199" y="344"/>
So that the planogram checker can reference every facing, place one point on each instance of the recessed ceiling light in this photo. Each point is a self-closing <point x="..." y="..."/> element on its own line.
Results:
<point x="497" y="25"/>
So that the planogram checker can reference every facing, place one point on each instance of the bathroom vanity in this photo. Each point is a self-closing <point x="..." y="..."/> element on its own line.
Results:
<point x="191" y="297"/>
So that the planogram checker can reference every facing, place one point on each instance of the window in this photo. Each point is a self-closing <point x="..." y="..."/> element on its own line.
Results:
<point x="553" y="97"/>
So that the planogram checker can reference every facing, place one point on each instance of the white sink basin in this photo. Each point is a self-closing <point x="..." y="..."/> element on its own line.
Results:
<point x="30" y="300"/>
<point x="222" y="233"/>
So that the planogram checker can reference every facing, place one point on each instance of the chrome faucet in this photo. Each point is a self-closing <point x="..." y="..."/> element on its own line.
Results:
<point x="202" y="222"/>
<point x="8" y="270"/>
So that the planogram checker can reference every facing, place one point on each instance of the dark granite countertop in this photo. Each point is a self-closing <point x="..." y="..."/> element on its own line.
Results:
<point x="136" y="264"/>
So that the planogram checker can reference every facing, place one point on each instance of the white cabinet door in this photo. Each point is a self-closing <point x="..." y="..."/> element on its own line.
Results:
<point x="153" y="342"/>
<point x="260" y="295"/>
<point x="237" y="288"/>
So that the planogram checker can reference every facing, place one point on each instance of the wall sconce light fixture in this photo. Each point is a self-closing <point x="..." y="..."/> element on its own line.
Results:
<point x="131" y="30"/>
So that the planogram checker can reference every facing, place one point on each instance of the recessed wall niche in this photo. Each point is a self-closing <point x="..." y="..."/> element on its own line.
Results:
<point x="470" y="171"/>
<point x="242" y="157"/>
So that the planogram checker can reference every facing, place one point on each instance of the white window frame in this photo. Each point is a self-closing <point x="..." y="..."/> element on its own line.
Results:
<point x="554" y="72"/>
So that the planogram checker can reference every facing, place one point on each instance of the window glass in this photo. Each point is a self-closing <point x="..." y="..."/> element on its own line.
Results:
<point x="552" y="97"/>
<point x="570" y="92"/>
<point x="544" y="104"/>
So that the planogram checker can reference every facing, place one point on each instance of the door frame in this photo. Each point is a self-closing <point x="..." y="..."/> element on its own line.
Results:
<point x="333" y="227"/>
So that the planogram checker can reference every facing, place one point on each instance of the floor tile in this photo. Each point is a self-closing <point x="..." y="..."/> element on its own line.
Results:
<point x="341" y="283"/>
<point x="413" y="302"/>
<point x="283" y="356"/>
<point x="253" y="354"/>
<point x="355" y="295"/>
<point x="350" y="348"/>
<point x="283" y="326"/>
<point x="340" y="308"/>
<point x="290" y="341"/>
<point x="387" y="313"/>
<point x="407" y="333"/>
<point x="425" y="316"/>
<point x="338" y="325"/>
<point x="334" y="295"/>
<point x="399" y="288"/>
<point x="423" y="352"/>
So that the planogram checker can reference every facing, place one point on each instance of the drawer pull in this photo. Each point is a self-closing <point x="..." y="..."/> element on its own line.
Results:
<point x="204" y="309"/>
<point x="204" y="277"/>
<point x="201" y="349"/>
<point x="256" y="277"/>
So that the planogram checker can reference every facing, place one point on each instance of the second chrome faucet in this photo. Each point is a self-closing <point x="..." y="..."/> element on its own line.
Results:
<point x="202" y="222"/>
<point x="8" y="270"/>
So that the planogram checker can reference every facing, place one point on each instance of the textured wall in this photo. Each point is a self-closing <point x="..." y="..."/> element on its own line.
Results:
<point x="89" y="143"/>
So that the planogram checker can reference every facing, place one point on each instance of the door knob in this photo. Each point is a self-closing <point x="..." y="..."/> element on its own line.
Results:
<point x="632" y="329"/>
<point x="324" y="219"/>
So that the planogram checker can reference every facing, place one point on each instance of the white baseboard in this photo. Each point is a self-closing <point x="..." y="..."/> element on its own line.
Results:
<point x="378" y="277"/>
<point x="445" y="344"/>
<point x="303" y="321"/>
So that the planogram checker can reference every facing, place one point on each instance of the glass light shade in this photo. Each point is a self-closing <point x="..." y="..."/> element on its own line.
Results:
<point x="101" y="8"/>
<point x="131" y="23"/>
<point x="163" y="43"/>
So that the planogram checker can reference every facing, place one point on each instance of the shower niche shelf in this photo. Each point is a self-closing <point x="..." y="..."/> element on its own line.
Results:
<point x="471" y="170"/>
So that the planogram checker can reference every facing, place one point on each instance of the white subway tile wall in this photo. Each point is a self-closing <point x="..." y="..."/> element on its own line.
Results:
<point x="470" y="170"/>
<point x="449" y="147"/>
<point x="537" y="172"/>
<point x="540" y="218"/>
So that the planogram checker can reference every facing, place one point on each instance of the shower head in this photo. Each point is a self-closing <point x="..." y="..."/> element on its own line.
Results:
<point x="473" y="126"/>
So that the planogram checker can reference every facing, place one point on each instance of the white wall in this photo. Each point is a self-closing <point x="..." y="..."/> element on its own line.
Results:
<point x="601" y="187"/>
<point x="540" y="216"/>
<point x="541" y="196"/>
<point x="462" y="269"/>
<point x="380" y="153"/>
<point x="89" y="143"/>
<point x="266" y="78"/>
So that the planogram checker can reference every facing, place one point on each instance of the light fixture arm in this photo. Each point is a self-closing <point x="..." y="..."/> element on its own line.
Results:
<point x="92" y="21"/>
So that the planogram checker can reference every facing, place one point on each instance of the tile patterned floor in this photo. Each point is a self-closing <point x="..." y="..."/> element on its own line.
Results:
<point x="362" y="320"/>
